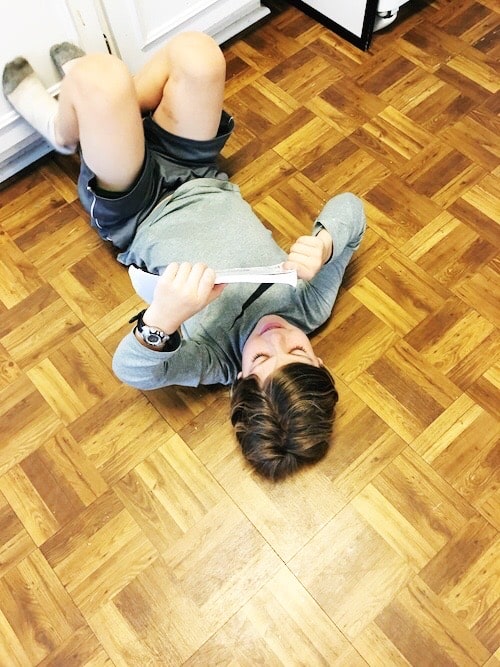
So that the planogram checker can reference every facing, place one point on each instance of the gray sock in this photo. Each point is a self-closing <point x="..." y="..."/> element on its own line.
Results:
<point x="29" y="97"/>
<point x="62" y="54"/>
<point x="13" y="73"/>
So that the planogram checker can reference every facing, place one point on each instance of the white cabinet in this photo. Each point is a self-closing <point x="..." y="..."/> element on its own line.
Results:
<point x="139" y="26"/>
<point x="132" y="29"/>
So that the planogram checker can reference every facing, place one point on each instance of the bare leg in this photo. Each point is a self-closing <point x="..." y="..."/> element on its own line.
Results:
<point x="98" y="107"/>
<point x="100" y="104"/>
<point x="183" y="84"/>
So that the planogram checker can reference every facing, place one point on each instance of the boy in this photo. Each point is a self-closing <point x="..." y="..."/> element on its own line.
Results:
<point x="149" y="180"/>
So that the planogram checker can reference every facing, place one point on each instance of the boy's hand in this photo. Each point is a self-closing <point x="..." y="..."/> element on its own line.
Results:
<point x="308" y="254"/>
<point x="182" y="290"/>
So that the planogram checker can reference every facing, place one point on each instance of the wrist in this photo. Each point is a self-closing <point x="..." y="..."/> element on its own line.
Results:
<point x="160" y="320"/>
<point x="327" y="242"/>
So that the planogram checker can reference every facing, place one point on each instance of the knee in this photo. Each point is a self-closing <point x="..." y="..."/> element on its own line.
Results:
<point x="100" y="77"/>
<point x="196" y="55"/>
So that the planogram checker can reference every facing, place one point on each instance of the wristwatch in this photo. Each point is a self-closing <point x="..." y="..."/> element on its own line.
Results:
<point x="154" y="337"/>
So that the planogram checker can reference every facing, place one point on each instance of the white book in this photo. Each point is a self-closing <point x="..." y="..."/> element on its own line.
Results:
<point x="144" y="283"/>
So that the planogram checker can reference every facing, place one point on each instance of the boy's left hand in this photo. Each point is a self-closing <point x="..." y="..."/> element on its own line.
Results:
<point x="308" y="254"/>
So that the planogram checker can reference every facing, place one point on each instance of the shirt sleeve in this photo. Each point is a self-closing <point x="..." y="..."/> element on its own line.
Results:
<point x="344" y="218"/>
<point x="193" y="363"/>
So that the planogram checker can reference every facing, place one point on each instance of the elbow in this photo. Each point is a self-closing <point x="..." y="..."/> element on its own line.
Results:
<point x="128" y="376"/>
<point x="139" y="377"/>
<point x="353" y="215"/>
<point x="354" y="207"/>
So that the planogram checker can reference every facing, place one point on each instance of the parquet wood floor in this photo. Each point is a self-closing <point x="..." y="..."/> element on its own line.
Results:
<point x="131" y="532"/>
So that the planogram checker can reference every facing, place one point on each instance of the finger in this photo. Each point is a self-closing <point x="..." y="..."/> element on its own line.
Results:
<point x="189" y="276"/>
<point x="206" y="281"/>
<point x="306" y="238"/>
<point x="172" y="268"/>
<point x="306" y="249"/>
<point x="290" y="265"/>
<point x="184" y="272"/>
<point x="298" y="264"/>
<point x="301" y="258"/>
<point x="306" y="241"/>
<point x="170" y="272"/>
<point x="198" y="269"/>
<point x="195" y="278"/>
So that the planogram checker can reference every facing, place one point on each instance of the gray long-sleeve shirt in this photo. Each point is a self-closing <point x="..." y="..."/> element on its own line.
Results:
<point x="207" y="220"/>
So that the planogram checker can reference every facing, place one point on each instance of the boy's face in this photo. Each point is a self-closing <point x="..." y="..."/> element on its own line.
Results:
<point x="273" y="343"/>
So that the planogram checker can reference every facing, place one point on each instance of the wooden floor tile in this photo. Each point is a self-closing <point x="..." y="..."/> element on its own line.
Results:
<point x="132" y="531"/>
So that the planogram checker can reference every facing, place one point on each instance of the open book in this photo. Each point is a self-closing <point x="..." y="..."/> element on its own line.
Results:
<point x="144" y="283"/>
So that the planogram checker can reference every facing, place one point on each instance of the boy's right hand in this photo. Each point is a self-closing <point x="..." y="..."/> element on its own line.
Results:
<point x="181" y="292"/>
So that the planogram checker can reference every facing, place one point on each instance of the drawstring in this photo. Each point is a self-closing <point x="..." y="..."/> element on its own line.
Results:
<point x="253" y="297"/>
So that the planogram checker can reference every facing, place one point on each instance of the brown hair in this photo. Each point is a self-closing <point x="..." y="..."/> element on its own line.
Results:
<point x="286" y="423"/>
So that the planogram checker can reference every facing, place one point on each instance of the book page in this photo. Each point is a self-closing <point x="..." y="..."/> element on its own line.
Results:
<point x="144" y="283"/>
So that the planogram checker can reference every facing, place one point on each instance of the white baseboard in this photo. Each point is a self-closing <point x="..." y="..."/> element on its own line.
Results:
<point x="221" y="33"/>
<point x="20" y="144"/>
<point x="23" y="156"/>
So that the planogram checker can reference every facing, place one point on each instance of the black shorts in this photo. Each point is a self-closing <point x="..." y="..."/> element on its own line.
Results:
<point x="170" y="161"/>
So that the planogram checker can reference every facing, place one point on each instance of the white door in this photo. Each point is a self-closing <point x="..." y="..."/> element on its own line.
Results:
<point x="29" y="28"/>
<point x="139" y="27"/>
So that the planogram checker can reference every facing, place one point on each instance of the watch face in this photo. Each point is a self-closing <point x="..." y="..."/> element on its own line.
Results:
<point x="154" y="339"/>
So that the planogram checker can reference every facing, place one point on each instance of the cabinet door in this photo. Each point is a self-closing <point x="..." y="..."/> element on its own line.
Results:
<point x="29" y="29"/>
<point x="138" y="27"/>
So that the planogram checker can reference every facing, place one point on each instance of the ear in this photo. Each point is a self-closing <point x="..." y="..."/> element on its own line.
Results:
<point x="320" y="362"/>
<point x="239" y="376"/>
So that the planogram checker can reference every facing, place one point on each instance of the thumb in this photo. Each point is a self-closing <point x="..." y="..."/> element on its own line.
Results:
<point x="216" y="291"/>
<point x="289" y="266"/>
